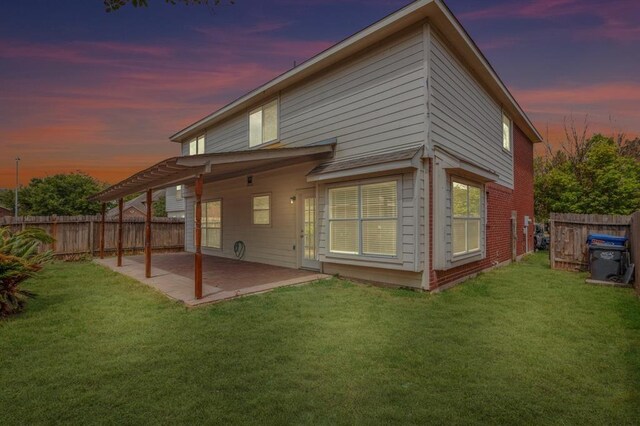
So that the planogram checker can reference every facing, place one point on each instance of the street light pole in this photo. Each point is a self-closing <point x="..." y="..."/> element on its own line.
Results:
<point x="17" y="186"/>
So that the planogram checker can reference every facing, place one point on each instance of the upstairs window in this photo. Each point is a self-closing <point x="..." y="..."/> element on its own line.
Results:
<point x="363" y="219"/>
<point x="263" y="124"/>
<point x="197" y="145"/>
<point x="261" y="205"/>
<point x="466" y="207"/>
<point x="178" y="192"/>
<point x="507" y="132"/>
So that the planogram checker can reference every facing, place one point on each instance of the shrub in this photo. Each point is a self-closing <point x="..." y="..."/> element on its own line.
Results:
<point x="19" y="259"/>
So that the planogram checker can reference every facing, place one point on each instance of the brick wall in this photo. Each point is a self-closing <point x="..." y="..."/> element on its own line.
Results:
<point x="523" y="184"/>
<point x="500" y="202"/>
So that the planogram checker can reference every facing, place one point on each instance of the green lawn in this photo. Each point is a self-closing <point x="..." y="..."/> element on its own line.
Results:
<point x="521" y="344"/>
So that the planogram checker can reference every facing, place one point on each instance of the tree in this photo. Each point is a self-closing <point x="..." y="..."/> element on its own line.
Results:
<point x="631" y="149"/>
<point x="61" y="194"/>
<point x="160" y="207"/>
<point x="588" y="175"/>
<point x="7" y="198"/>
<point x="113" y="5"/>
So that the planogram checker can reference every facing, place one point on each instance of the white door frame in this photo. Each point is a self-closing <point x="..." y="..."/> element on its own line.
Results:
<point x="303" y="263"/>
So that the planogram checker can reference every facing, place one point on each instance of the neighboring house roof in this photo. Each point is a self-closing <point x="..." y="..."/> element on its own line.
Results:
<point x="435" y="11"/>
<point x="138" y="203"/>
<point x="5" y="211"/>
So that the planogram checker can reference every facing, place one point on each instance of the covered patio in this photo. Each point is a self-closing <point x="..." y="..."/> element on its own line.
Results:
<point x="222" y="278"/>
<point x="197" y="278"/>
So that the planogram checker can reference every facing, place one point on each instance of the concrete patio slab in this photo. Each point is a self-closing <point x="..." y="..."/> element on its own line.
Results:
<point x="223" y="279"/>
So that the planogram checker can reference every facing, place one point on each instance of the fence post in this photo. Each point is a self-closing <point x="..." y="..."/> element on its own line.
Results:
<point x="102" y="213"/>
<point x="120" y="214"/>
<point x="91" y="236"/>
<point x="147" y="235"/>
<point x="54" y="232"/>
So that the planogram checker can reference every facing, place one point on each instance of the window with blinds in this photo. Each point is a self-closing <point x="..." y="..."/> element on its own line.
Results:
<point x="466" y="222"/>
<point x="212" y="224"/>
<point x="263" y="124"/>
<point x="261" y="206"/>
<point x="363" y="219"/>
<point x="197" y="145"/>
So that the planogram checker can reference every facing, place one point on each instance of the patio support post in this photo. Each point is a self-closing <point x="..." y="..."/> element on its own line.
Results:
<point x="198" y="238"/>
<point x="103" y="211"/>
<point x="147" y="237"/>
<point x="120" y="211"/>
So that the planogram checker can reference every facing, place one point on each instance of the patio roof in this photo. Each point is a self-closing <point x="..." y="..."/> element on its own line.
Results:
<point x="213" y="167"/>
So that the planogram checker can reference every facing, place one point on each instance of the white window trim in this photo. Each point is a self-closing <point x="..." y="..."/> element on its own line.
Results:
<point x="480" y="253"/>
<point x="510" y="149"/>
<point x="195" y="140"/>
<point x="258" y="108"/>
<point x="397" y="259"/>
<point x="262" y="225"/>
<point x="210" y="200"/>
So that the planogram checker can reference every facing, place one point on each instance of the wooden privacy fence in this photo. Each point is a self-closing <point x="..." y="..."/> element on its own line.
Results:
<point x="80" y="235"/>
<point x="635" y="247"/>
<point x="569" y="233"/>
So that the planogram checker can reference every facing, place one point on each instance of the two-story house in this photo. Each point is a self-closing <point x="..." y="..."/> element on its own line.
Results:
<point x="396" y="156"/>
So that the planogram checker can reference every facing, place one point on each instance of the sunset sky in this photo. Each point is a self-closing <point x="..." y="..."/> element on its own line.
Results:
<point x="81" y="89"/>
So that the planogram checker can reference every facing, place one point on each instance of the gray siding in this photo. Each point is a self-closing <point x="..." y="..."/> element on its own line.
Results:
<point x="274" y="244"/>
<point x="374" y="103"/>
<point x="465" y="120"/>
<point x="231" y="135"/>
<point x="173" y="205"/>
<point x="371" y="103"/>
<point x="375" y="275"/>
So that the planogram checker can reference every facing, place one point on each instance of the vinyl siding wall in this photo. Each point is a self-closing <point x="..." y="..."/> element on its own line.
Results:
<point x="172" y="204"/>
<point x="373" y="102"/>
<point x="465" y="120"/>
<point x="273" y="244"/>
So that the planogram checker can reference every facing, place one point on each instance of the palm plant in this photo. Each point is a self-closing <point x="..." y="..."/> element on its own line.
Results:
<point x="20" y="258"/>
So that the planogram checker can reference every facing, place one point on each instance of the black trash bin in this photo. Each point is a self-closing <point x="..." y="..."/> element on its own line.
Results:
<point x="606" y="261"/>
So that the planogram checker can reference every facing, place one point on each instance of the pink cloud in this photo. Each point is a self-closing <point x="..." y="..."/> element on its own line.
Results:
<point x="618" y="18"/>
<point x="94" y="101"/>
<point x="611" y="108"/>
<point x="80" y="52"/>
<point x="618" y="93"/>
<point x="499" y="43"/>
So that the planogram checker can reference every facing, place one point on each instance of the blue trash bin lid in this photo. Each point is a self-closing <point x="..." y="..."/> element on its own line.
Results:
<point x="604" y="239"/>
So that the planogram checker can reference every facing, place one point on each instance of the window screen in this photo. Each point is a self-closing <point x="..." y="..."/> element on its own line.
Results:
<point x="466" y="209"/>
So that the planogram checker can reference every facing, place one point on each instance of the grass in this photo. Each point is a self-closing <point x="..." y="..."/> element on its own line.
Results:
<point x="520" y="344"/>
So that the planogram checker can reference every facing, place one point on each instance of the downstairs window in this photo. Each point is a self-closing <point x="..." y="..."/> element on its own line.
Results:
<point x="363" y="219"/>
<point x="466" y="209"/>
<point x="212" y="224"/>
